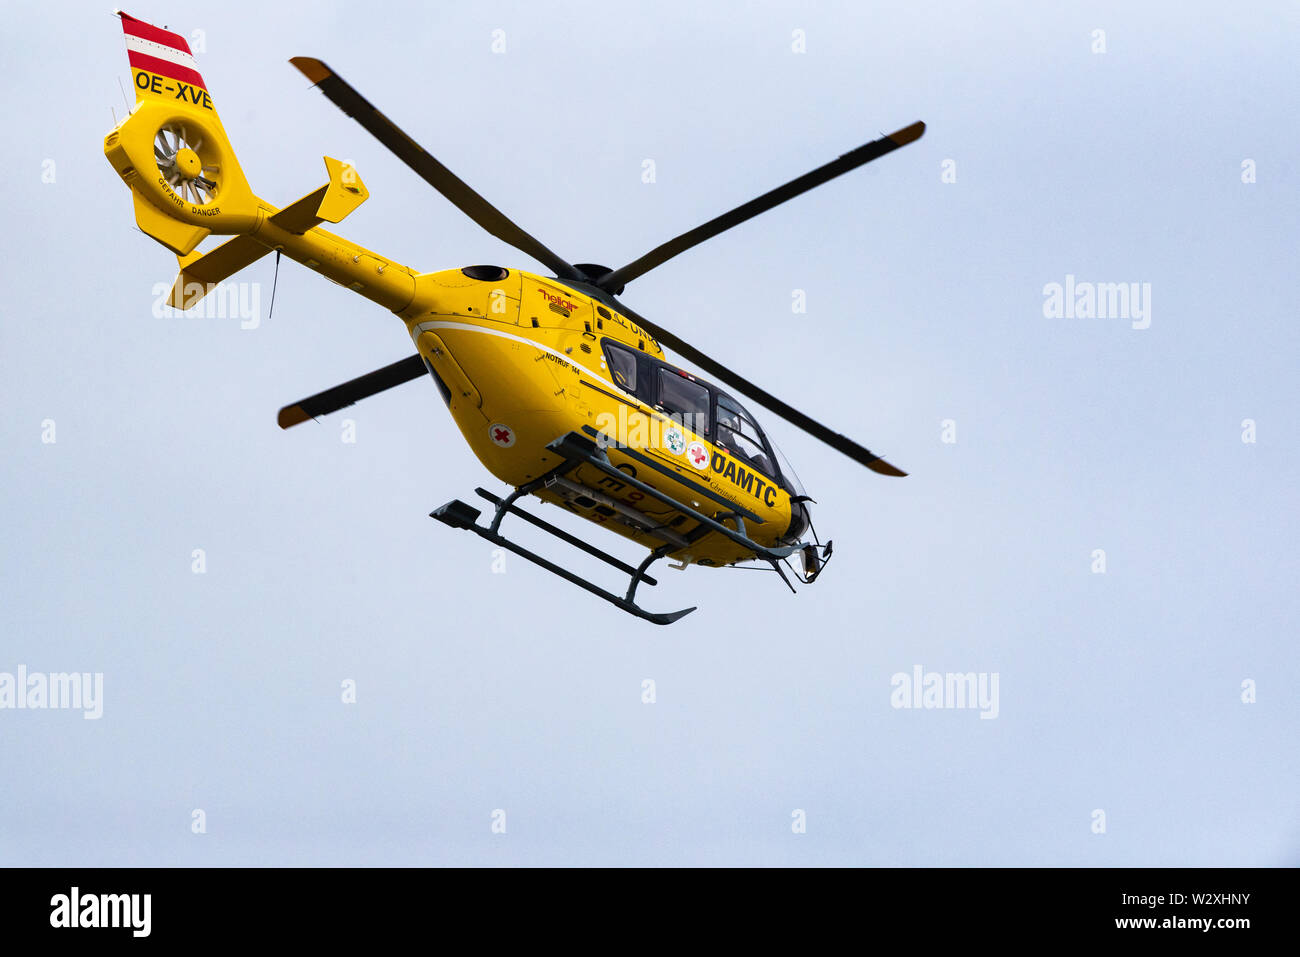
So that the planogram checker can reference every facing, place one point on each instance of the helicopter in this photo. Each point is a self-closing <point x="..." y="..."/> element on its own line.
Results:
<point x="562" y="392"/>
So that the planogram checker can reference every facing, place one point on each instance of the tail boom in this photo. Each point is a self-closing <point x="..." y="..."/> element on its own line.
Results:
<point x="186" y="183"/>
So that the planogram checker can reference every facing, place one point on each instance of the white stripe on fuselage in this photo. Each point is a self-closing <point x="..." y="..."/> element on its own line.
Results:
<point x="468" y="327"/>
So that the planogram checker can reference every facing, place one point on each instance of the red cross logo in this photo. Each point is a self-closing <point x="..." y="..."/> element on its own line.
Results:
<point x="698" y="455"/>
<point x="501" y="435"/>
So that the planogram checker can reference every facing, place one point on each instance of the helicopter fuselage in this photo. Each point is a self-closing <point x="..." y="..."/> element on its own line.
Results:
<point x="521" y="359"/>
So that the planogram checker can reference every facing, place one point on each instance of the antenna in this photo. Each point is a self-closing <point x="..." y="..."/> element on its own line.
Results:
<point x="274" y="282"/>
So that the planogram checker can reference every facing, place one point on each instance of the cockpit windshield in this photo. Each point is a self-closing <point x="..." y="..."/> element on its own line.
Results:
<point x="791" y="480"/>
<point x="739" y="433"/>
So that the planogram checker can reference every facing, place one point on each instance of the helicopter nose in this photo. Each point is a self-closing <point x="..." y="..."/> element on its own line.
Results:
<point x="800" y="519"/>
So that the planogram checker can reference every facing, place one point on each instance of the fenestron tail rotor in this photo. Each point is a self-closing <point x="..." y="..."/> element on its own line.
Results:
<point x="179" y="155"/>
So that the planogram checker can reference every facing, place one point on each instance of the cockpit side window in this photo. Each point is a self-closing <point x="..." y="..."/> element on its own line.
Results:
<point x="685" y="400"/>
<point x="622" y="367"/>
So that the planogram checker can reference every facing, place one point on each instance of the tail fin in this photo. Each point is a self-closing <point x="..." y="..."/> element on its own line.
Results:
<point x="162" y="64"/>
<point x="172" y="150"/>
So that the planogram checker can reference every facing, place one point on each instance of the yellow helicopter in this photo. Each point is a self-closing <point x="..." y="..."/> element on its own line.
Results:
<point x="562" y="391"/>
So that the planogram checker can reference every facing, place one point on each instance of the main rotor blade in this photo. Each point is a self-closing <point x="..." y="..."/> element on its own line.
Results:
<point x="434" y="173"/>
<point x="352" y="391"/>
<point x="611" y="281"/>
<point x="788" y="412"/>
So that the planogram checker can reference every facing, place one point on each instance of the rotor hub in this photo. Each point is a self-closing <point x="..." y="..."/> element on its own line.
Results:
<point x="188" y="163"/>
<point x="595" y="272"/>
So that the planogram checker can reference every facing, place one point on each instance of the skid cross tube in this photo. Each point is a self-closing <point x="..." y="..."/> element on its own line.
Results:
<point x="562" y="535"/>
<point x="459" y="515"/>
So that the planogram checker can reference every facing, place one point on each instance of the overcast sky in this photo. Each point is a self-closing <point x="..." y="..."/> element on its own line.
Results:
<point x="1119" y="692"/>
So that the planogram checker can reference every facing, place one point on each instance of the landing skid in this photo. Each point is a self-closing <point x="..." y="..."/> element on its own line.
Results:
<point x="459" y="515"/>
<point x="577" y="450"/>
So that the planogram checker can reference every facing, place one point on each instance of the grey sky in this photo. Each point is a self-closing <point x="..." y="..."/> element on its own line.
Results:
<point x="476" y="691"/>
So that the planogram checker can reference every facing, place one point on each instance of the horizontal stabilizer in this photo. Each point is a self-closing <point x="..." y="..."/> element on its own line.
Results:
<point x="200" y="272"/>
